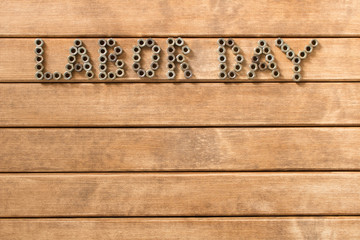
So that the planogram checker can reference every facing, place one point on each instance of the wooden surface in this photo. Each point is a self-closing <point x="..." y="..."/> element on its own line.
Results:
<point x="300" y="228"/>
<point x="333" y="60"/>
<point x="178" y="149"/>
<point x="205" y="18"/>
<point x="179" y="194"/>
<point x="154" y="104"/>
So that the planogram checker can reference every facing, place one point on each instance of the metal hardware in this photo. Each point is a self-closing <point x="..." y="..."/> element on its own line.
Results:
<point x="170" y="74"/>
<point x="39" y="75"/>
<point x="48" y="76"/>
<point x="120" y="72"/>
<point x="296" y="77"/>
<point x="102" y="76"/>
<point x="188" y="73"/>
<point x="57" y="76"/>
<point x="111" y="75"/>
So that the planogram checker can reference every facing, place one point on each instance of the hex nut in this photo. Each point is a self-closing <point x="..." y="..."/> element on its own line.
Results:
<point x="111" y="75"/>
<point x="119" y="63"/>
<point x="263" y="66"/>
<point x="285" y="48"/>
<point x="57" y="76"/>
<point x="77" y="43"/>
<point x="230" y="42"/>
<point x="154" y="66"/>
<point x="290" y="54"/>
<point x="136" y="49"/>
<point x="221" y="42"/>
<point x="118" y="50"/>
<point x="73" y="51"/>
<point x="120" y="72"/>
<point x="111" y="42"/>
<point x="87" y="66"/>
<point x="266" y="50"/>
<point x="279" y="42"/>
<point x="102" y="75"/>
<point x="102" y="50"/>
<point x="112" y="57"/>
<point x="48" y="76"/>
<point x="188" y="73"/>
<point x="232" y="74"/>
<point x="275" y="73"/>
<point x="258" y="51"/>
<point x="155" y="57"/>
<point x="296" y="68"/>
<point x="222" y="58"/>
<point x="170" y="50"/>
<point x="179" y="42"/>
<point x="136" y="66"/>
<point x="78" y="67"/>
<point x="170" y="41"/>
<point x="296" y="60"/>
<point x="221" y="50"/>
<point x="89" y="74"/>
<point x="71" y="59"/>
<point x="39" y="67"/>
<point x="238" y="67"/>
<point x="39" y="42"/>
<point x="156" y="49"/>
<point x="314" y="43"/>
<point x="235" y="49"/>
<point x="170" y="74"/>
<point x="222" y="66"/>
<point x="171" y="58"/>
<point x="150" y="73"/>
<point x="102" y="42"/>
<point x="308" y="49"/>
<point x="269" y="58"/>
<point x="170" y="66"/>
<point x="255" y="58"/>
<point x="296" y="77"/>
<point x="67" y="75"/>
<point x="253" y="67"/>
<point x="69" y="67"/>
<point x="149" y="43"/>
<point x="102" y="67"/>
<point x="39" y="75"/>
<point x="272" y="65"/>
<point x="39" y="59"/>
<point x="180" y="58"/>
<point x="136" y="58"/>
<point x="85" y="58"/>
<point x="39" y="51"/>
<point x="184" y="66"/>
<point x="141" y="42"/>
<point x="222" y="75"/>
<point x="82" y="50"/>
<point x="141" y="73"/>
<point x="239" y="58"/>
<point x="185" y="49"/>
<point x="302" y="54"/>
<point x="262" y="43"/>
<point x="251" y="75"/>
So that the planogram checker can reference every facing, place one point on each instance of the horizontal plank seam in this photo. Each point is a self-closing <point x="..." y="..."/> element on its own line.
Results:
<point x="244" y="36"/>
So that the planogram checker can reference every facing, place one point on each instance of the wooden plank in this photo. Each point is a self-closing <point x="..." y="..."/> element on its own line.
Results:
<point x="333" y="60"/>
<point x="206" y="18"/>
<point x="208" y="104"/>
<point x="179" y="194"/>
<point x="179" y="149"/>
<point x="336" y="228"/>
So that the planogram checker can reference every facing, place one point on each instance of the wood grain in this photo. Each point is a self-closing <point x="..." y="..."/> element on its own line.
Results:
<point x="333" y="60"/>
<point x="266" y="228"/>
<point x="178" y="149"/>
<point x="210" y="104"/>
<point x="179" y="194"/>
<point x="206" y="18"/>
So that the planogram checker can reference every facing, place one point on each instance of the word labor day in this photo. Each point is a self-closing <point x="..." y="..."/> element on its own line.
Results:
<point x="177" y="50"/>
